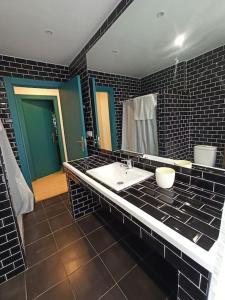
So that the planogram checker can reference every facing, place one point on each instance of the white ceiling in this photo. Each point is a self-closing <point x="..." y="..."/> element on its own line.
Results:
<point x="145" y="43"/>
<point x="23" y="24"/>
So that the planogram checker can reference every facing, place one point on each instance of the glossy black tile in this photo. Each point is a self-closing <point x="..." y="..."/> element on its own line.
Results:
<point x="191" y="289"/>
<point x="205" y="242"/>
<point x="219" y="188"/>
<point x="167" y="244"/>
<point x="195" y="265"/>
<point x="197" y="213"/>
<point x="150" y="192"/>
<point x="201" y="183"/>
<point x="175" y="213"/>
<point x="211" y="211"/>
<point x="134" y="200"/>
<point x="153" y="242"/>
<point x="182" y="295"/>
<point x="135" y="192"/>
<point x="200" y="192"/>
<point x="182" y="266"/>
<point x="170" y="193"/>
<point x="159" y="215"/>
<point x="204" y="285"/>
<point x="166" y="199"/>
<point x="151" y="200"/>
<point x="204" y="228"/>
<point x="219" y="198"/>
<point x="190" y="201"/>
<point x="216" y="223"/>
<point x="135" y="229"/>
<point x="149" y="185"/>
<point x="183" y="229"/>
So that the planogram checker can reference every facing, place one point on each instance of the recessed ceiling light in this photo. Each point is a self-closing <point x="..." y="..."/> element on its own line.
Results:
<point x="49" y="32"/>
<point x="160" y="14"/>
<point x="179" y="40"/>
<point x="115" y="51"/>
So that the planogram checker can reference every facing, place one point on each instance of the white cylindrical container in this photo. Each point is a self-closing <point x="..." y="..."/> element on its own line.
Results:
<point x="165" y="177"/>
<point x="205" y="155"/>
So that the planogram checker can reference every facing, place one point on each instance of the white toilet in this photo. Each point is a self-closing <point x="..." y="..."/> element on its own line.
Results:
<point x="205" y="155"/>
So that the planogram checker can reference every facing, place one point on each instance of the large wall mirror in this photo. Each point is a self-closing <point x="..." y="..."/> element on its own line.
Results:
<point x="165" y="62"/>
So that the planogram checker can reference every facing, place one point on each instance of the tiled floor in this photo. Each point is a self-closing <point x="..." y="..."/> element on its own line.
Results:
<point x="95" y="258"/>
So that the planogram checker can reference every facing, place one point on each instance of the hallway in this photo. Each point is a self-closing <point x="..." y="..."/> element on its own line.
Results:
<point x="50" y="186"/>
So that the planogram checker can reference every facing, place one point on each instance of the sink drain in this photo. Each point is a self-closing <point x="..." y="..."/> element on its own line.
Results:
<point x="120" y="182"/>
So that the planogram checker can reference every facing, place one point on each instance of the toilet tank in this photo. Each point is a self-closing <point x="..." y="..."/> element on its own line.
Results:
<point x="205" y="155"/>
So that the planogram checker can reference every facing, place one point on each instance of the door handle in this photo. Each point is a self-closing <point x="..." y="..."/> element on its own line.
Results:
<point x="81" y="142"/>
<point x="53" y="138"/>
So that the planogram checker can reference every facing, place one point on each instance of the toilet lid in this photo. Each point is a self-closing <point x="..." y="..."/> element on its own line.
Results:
<point x="205" y="147"/>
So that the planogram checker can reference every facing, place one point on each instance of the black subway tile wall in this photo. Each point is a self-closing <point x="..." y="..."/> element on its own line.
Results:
<point x="205" y="83"/>
<point x="82" y="200"/>
<point x="11" y="252"/>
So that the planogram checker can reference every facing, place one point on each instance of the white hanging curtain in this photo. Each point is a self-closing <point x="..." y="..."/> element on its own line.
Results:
<point x="139" y="128"/>
<point x="216" y="290"/>
<point x="21" y="196"/>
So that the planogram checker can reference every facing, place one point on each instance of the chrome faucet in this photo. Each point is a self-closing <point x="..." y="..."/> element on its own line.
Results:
<point x="128" y="162"/>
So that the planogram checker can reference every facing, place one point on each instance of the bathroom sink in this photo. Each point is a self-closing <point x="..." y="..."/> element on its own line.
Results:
<point x="117" y="176"/>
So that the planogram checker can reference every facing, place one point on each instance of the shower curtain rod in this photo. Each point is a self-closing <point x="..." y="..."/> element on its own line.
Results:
<point x="131" y="97"/>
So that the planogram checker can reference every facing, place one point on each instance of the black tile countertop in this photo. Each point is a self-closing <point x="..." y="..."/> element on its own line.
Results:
<point x="194" y="213"/>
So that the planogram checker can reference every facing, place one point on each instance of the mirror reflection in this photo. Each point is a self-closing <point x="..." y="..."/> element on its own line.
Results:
<point x="165" y="64"/>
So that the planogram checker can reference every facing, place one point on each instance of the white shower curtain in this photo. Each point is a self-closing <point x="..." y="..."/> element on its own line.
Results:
<point x="21" y="196"/>
<point x="216" y="290"/>
<point x="139" y="128"/>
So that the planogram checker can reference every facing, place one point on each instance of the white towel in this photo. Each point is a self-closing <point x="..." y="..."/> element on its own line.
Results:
<point x="21" y="196"/>
<point x="144" y="107"/>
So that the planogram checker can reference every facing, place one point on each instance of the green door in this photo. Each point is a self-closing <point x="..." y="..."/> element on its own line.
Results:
<point x="40" y="136"/>
<point x="73" y="118"/>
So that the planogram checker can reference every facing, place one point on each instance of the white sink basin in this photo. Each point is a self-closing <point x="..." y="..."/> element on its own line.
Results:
<point x="117" y="176"/>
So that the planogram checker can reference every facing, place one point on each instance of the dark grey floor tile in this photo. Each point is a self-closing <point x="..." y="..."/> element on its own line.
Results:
<point x="34" y="217"/>
<point x="60" y="292"/>
<point x="138" y="285"/>
<point x="101" y="239"/>
<point x="76" y="254"/>
<point x="90" y="223"/>
<point x="67" y="235"/>
<point x="118" y="260"/>
<point x="114" y="294"/>
<point x="65" y="197"/>
<point x="38" y="205"/>
<point x="40" y="250"/>
<point x="35" y="232"/>
<point x="52" y="201"/>
<point x="54" y="210"/>
<point x="44" y="275"/>
<point x="60" y="221"/>
<point x="91" y="281"/>
<point x="14" y="288"/>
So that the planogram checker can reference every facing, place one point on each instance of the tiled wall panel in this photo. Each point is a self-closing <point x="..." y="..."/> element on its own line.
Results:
<point x="11" y="252"/>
